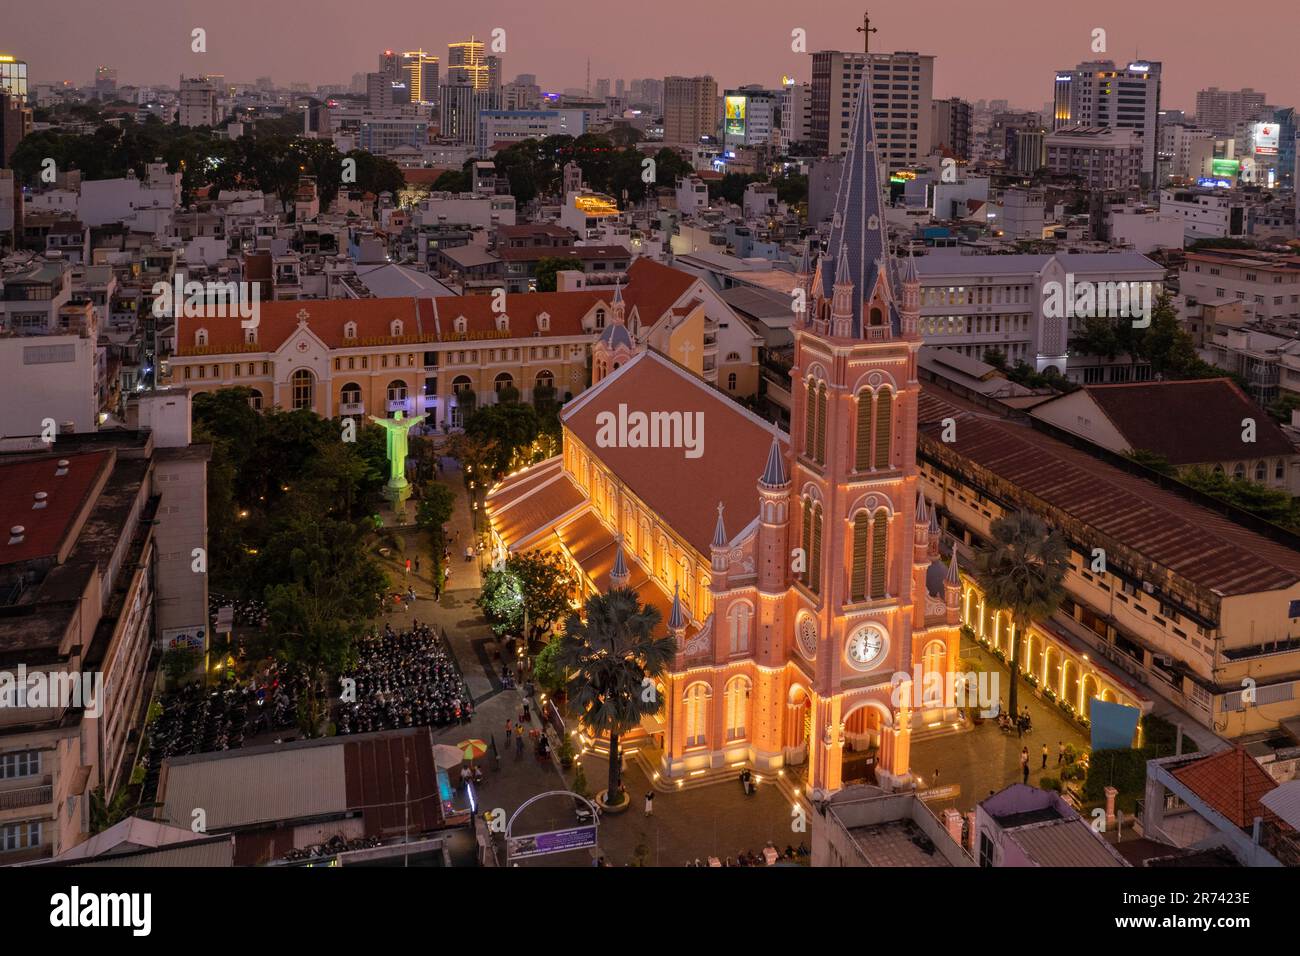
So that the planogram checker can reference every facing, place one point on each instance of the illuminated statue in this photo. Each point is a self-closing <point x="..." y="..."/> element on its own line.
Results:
<point x="396" y="430"/>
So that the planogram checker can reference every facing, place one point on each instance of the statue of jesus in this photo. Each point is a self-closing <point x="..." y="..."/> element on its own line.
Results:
<point x="396" y="430"/>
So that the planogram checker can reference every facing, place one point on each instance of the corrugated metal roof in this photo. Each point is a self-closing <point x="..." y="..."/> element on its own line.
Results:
<point x="1285" y="802"/>
<point x="1064" y="843"/>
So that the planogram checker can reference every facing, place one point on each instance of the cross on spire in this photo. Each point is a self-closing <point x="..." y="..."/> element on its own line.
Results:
<point x="866" y="30"/>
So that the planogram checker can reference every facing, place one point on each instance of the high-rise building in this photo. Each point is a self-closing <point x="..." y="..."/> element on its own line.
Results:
<point x="902" y="87"/>
<point x="1100" y="94"/>
<point x="1221" y="110"/>
<point x="379" y="91"/>
<point x="15" y="123"/>
<point x="796" y="115"/>
<point x="750" y="115"/>
<point x="950" y="126"/>
<point x="105" y="80"/>
<point x="459" y="105"/>
<point x="13" y="76"/>
<point x="420" y="71"/>
<point x="467" y="63"/>
<point x="390" y="62"/>
<point x="690" y="109"/>
<point x="198" y="102"/>
<point x="602" y="88"/>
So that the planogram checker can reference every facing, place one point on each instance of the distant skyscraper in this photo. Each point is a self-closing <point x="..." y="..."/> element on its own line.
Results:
<point x="1100" y="94"/>
<point x="951" y="126"/>
<point x="466" y="62"/>
<point x="690" y="108"/>
<point x="13" y="76"/>
<point x="459" y="105"/>
<point x="619" y="88"/>
<point x="1221" y="110"/>
<point x="420" y="71"/>
<point x="602" y="88"/>
<point x="902" y="84"/>
<point x="105" y="79"/>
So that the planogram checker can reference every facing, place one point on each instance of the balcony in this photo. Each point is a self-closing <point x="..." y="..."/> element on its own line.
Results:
<point x="352" y="408"/>
<point x="26" y="797"/>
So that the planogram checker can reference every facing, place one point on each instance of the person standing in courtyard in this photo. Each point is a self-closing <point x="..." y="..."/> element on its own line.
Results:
<point x="1060" y="752"/>
<point x="649" y="803"/>
<point x="1044" y="767"/>
<point x="1024" y="763"/>
<point x="417" y="564"/>
<point x="509" y="731"/>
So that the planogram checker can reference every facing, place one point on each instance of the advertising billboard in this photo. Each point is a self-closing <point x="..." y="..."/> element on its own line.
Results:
<point x="1225" y="168"/>
<point x="735" y="116"/>
<point x="1266" y="139"/>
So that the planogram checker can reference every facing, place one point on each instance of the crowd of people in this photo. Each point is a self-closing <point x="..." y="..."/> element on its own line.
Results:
<point x="405" y="679"/>
<point x="768" y="857"/>
<point x="247" y="613"/>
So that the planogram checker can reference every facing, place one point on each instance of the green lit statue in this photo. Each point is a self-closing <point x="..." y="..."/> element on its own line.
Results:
<point x="396" y="428"/>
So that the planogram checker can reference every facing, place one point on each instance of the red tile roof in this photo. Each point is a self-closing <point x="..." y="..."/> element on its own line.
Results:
<point x="1156" y="523"/>
<point x="1154" y="416"/>
<point x="1231" y="782"/>
<point x="654" y="289"/>
<point x="44" y="529"/>
<point x="735" y="448"/>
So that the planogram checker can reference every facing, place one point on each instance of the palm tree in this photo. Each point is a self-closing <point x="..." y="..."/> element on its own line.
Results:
<point x="1020" y="570"/>
<point x="612" y="658"/>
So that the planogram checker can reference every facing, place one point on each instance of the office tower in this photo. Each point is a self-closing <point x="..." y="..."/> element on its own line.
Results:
<point x="902" y="87"/>
<point x="1221" y="110"/>
<point x="15" y="123"/>
<point x="950" y="126"/>
<point x="619" y="88"/>
<point x="602" y="88"/>
<point x="526" y="79"/>
<point x="105" y="79"/>
<point x="390" y="63"/>
<point x="459" y="105"/>
<point x="198" y="102"/>
<point x="494" y="72"/>
<point x="379" y="91"/>
<point x="13" y="76"/>
<point x="467" y="63"/>
<point x="1100" y="94"/>
<point x="420" y="71"/>
<point x="690" y="108"/>
<point x="796" y="115"/>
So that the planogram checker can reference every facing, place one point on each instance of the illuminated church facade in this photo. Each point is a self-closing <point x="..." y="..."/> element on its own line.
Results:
<point x="801" y="574"/>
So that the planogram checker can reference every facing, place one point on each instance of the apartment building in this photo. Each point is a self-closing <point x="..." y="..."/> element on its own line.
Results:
<point x="902" y="86"/>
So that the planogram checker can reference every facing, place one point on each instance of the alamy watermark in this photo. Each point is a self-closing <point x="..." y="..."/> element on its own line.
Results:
<point x="60" y="689"/>
<point x="639" y="429"/>
<point x="924" y="690"/>
<point x="1085" y="298"/>
<point x="222" y="300"/>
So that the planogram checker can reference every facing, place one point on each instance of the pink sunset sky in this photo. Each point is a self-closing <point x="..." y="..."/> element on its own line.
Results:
<point x="994" y="49"/>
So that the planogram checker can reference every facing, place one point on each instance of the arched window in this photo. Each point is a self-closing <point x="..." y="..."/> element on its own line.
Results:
<point x="1261" y="471"/>
<point x="461" y="383"/>
<point x="350" y="330"/>
<point x="731" y="381"/>
<point x="303" y="385"/>
<point x="821" y="424"/>
<point x="600" y="318"/>
<point x="739" y="620"/>
<point x="459" y="324"/>
<point x="395" y="328"/>
<point x="884" y="422"/>
<point x="351" y="394"/>
<point x="862" y="438"/>
<point x="696" y="701"/>
<point x="815" y="555"/>
<point x="504" y="380"/>
<point x="879" y="552"/>
<point x="805" y="540"/>
<point x="255" y="399"/>
<point x="545" y="379"/>
<point x="877" y="317"/>
<point x="733" y="356"/>
<point x="200" y="337"/>
<point x="397" y="391"/>
<point x="736" y="702"/>
<point x="810" y="420"/>
<point x="934" y="660"/>
<point x="250" y="336"/>
<point x="1239" y="471"/>
<point x="684" y="579"/>
<point x="858" y="575"/>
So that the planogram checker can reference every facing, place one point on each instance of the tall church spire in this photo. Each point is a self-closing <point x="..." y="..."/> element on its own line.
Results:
<point x="858" y="232"/>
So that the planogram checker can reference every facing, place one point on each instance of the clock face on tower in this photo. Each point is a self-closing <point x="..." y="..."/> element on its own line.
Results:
<point x="866" y="647"/>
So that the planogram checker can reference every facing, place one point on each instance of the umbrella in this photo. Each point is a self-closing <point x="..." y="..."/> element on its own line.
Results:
<point x="472" y="748"/>
<point x="446" y="756"/>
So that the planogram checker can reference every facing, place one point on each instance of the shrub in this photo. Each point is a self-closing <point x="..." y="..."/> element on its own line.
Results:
<point x="1031" y="680"/>
<point x="1050" y="783"/>
<point x="1049" y="693"/>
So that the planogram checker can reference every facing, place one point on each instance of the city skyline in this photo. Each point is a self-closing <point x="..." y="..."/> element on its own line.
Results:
<point x="157" y="50"/>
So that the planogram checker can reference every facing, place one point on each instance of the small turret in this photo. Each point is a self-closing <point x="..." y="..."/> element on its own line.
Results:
<point x="619" y="575"/>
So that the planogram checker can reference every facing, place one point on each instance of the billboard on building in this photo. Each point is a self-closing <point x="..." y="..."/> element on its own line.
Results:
<point x="1266" y="139"/>
<point x="735" y="116"/>
<point x="1225" y="168"/>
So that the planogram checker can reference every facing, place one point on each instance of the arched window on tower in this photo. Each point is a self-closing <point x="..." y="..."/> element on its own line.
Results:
<point x="877" y="316"/>
<point x="884" y="423"/>
<point x="810" y="420"/>
<point x="738" y="618"/>
<point x="736" y="702"/>
<point x="862" y="440"/>
<point x="879" y="552"/>
<point x="858" y="574"/>
<point x="805" y="534"/>
<point x="696" y="705"/>
<point x="820" y="456"/>
<point x="815" y="556"/>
